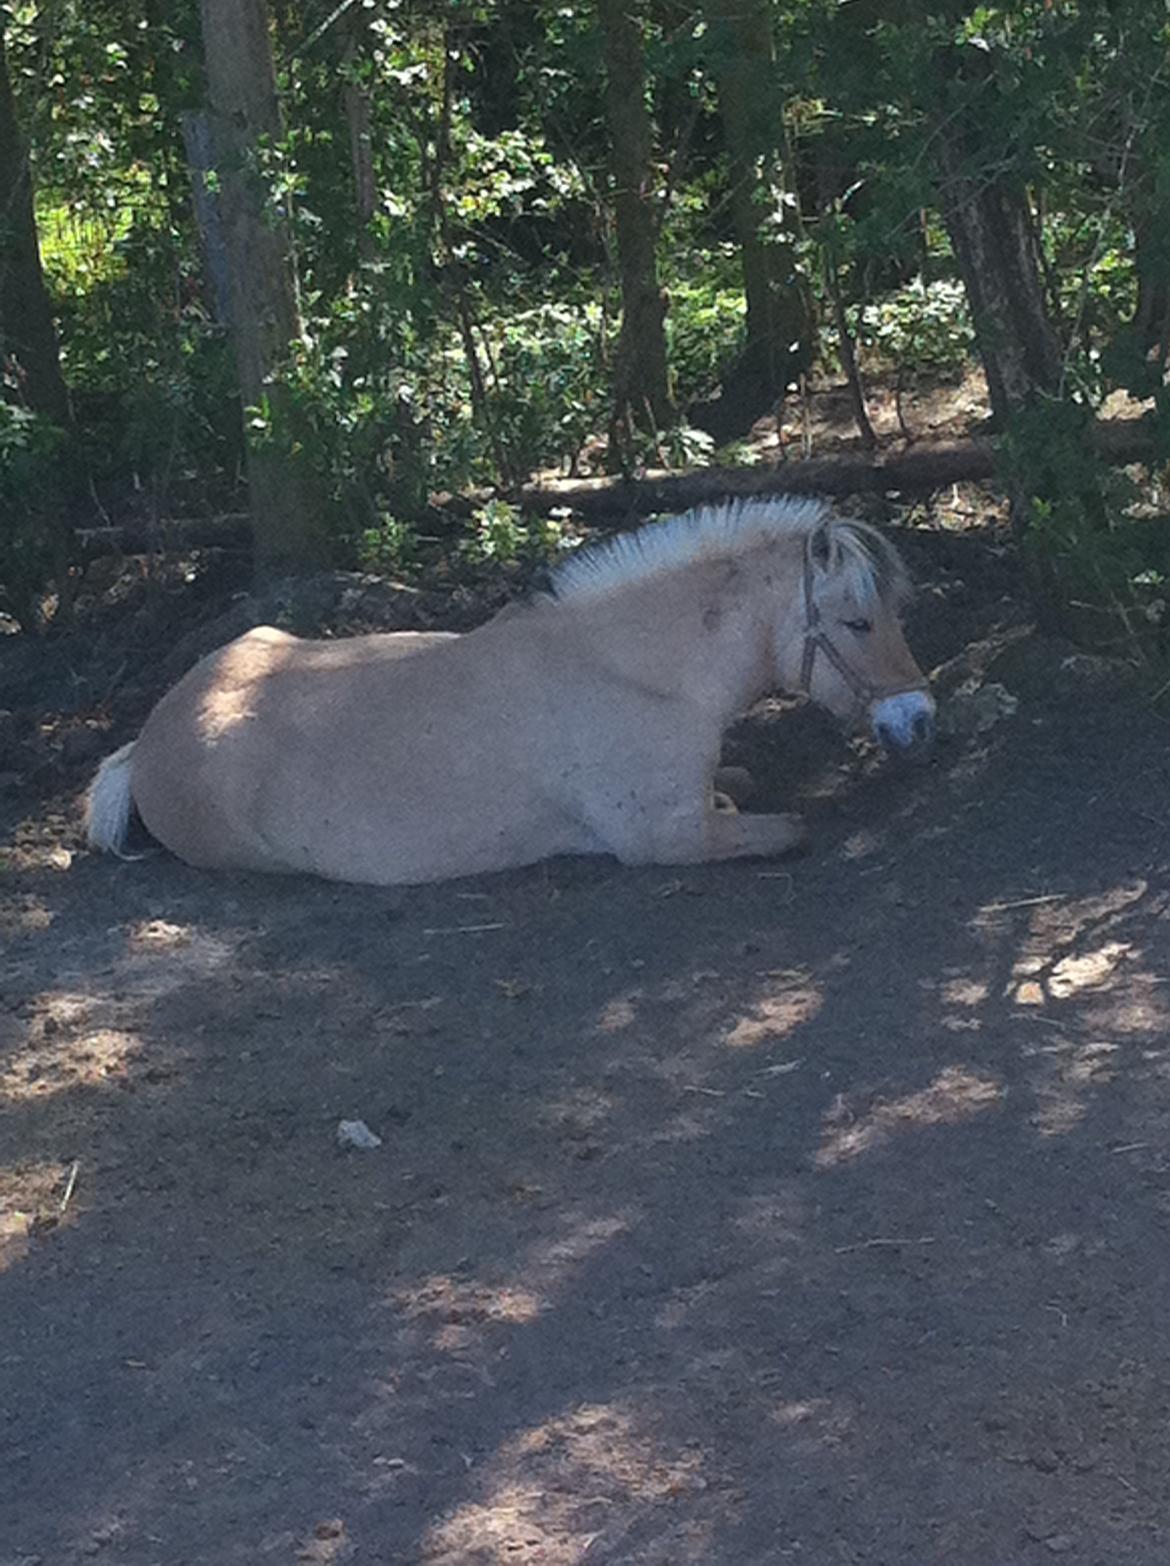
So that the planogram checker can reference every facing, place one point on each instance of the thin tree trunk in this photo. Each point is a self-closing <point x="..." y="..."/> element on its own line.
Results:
<point x="208" y="216"/>
<point x="994" y="239"/>
<point x="265" y="307"/>
<point x="28" y="335"/>
<point x="642" y="379"/>
<point x="361" y="140"/>
<point x="1153" y="280"/>
<point x="848" y="354"/>
<point x="995" y="245"/>
<point x="452" y="272"/>
<point x="779" y="329"/>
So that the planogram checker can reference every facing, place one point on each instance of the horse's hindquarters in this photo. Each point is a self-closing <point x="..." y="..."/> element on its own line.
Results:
<point x="383" y="769"/>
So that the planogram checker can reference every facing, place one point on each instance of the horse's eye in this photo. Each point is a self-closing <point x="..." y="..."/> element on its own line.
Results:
<point x="858" y="627"/>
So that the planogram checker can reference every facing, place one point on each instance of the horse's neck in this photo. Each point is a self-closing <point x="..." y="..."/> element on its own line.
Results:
<point x="689" y="633"/>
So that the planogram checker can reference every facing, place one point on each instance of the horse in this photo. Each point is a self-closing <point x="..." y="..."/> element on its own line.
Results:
<point x="586" y="720"/>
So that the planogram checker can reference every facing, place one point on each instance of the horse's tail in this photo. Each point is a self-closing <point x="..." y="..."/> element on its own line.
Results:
<point x="109" y="802"/>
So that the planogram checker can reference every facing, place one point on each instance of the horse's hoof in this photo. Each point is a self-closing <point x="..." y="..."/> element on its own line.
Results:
<point x="797" y="841"/>
<point x="736" y="783"/>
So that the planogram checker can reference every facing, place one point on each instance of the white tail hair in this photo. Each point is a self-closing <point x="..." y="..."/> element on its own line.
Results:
<point x="108" y="804"/>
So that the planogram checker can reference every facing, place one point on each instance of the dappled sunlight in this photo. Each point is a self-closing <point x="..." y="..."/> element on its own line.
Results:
<point x="230" y="701"/>
<point x="34" y="1197"/>
<point x="1074" y="955"/>
<point x="1108" y="985"/>
<point x="964" y="991"/>
<point x="154" y="935"/>
<point x="554" y="1261"/>
<point x="1059" y="917"/>
<point x="817" y="1419"/>
<point x="160" y="956"/>
<point x="81" y="1058"/>
<point x="1067" y="1072"/>
<point x="862" y="844"/>
<point x="63" y="1039"/>
<point x="455" y="1312"/>
<point x="455" y="1308"/>
<point x="617" y="1015"/>
<point x="1090" y="971"/>
<point x="223" y="710"/>
<point x="24" y="914"/>
<point x="794" y="1000"/>
<point x="1038" y="976"/>
<point x="956" y="1094"/>
<point x="1077" y="990"/>
<point x="775" y="1218"/>
<point x="549" y="1491"/>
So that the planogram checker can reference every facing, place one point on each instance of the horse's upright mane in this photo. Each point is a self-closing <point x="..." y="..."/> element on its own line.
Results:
<point x="726" y="531"/>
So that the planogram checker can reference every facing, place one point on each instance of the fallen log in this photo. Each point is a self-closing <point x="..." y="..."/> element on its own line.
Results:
<point x="173" y="536"/>
<point x="913" y="470"/>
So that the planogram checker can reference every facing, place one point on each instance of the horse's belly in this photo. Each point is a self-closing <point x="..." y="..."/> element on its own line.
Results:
<point x="442" y="831"/>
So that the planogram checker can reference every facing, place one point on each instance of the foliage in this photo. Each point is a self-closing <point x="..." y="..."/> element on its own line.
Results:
<point x="501" y="534"/>
<point x="31" y="457"/>
<point x="925" y="326"/>
<point x="465" y="335"/>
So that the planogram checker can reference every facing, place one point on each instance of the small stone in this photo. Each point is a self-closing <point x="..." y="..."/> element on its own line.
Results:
<point x="356" y="1133"/>
<point x="1045" y="1460"/>
<point x="1059" y="1543"/>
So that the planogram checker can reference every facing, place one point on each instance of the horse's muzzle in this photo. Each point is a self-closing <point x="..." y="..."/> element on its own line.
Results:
<point x="904" y="723"/>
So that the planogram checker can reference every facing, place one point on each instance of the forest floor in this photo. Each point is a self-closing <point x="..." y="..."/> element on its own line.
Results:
<point x="813" y="1212"/>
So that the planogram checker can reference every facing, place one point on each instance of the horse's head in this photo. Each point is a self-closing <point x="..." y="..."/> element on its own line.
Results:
<point x="853" y="655"/>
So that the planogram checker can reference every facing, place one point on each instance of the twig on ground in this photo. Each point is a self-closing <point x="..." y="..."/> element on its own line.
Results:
<point x="877" y="1244"/>
<point x="463" y="929"/>
<point x="70" y="1186"/>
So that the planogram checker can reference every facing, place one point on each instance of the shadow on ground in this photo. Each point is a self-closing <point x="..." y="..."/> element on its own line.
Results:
<point x="813" y="1212"/>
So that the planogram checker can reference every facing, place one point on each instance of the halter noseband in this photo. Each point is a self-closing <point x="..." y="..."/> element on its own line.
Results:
<point x="818" y="640"/>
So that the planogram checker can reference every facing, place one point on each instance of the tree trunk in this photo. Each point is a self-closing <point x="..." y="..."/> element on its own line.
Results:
<point x="205" y="201"/>
<point x="265" y="307"/>
<point x="361" y="140"/>
<point x="995" y="245"/>
<point x="779" y="331"/>
<point x="28" y="335"/>
<point x="1045" y="458"/>
<point x="642" y="390"/>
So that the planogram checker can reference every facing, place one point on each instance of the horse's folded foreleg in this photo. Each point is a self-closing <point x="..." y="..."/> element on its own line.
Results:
<point x="750" y="837"/>
<point x="720" y="835"/>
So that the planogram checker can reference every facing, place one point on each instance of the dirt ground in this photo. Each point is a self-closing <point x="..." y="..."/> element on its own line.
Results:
<point x="811" y="1212"/>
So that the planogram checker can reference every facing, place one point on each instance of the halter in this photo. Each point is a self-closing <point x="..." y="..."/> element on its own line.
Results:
<point x="818" y="640"/>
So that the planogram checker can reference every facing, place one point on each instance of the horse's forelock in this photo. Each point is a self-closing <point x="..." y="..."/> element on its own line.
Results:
<point x="875" y="569"/>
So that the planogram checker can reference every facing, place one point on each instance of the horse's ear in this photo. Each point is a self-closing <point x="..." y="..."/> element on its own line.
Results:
<point x="820" y="545"/>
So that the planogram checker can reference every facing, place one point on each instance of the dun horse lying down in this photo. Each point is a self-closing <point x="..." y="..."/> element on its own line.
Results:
<point x="585" y="722"/>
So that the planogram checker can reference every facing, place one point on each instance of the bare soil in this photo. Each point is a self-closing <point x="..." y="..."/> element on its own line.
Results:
<point x="811" y="1212"/>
